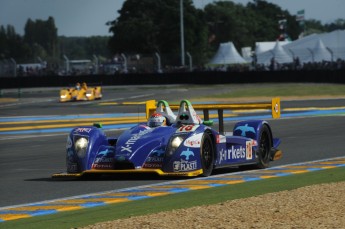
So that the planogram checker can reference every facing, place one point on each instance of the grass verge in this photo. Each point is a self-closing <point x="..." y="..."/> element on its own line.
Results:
<point x="286" y="89"/>
<point x="90" y="216"/>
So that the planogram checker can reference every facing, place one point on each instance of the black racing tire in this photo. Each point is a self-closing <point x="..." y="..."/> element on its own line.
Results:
<point x="207" y="155"/>
<point x="264" y="148"/>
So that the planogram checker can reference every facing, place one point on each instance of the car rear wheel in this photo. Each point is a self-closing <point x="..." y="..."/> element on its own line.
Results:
<point x="264" y="148"/>
<point x="207" y="155"/>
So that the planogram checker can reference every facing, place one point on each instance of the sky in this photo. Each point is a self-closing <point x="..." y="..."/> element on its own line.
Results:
<point x="89" y="17"/>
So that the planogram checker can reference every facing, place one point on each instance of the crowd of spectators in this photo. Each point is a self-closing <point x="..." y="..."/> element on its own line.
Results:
<point x="31" y="71"/>
<point x="111" y="68"/>
<point x="275" y="66"/>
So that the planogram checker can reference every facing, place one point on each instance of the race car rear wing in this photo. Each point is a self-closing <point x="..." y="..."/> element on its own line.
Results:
<point x="274" y="106"/>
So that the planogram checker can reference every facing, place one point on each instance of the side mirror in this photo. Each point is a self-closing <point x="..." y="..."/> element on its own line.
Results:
<point x="98" y="125"/>
<point x="208" y="123"/>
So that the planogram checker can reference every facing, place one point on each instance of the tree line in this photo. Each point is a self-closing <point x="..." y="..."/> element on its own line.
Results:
<point x="153" y="26"/>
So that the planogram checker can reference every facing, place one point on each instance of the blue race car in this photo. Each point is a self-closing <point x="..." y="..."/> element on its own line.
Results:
<point x="184" y="146"/>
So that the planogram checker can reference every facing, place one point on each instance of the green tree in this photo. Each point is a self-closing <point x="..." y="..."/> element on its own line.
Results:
<point x="313" y="26"/>
<point x="226" y="24"/>
<point x="41" y="35"/>
<point x="84" y="47"/>
<point x="149" y="26"/>
<point x="12" y="45"/>
<point x="337" y="24"/>
<point x="267" y="20"/>
<point x="3" y="42"/>
<point x="243" y="25"/>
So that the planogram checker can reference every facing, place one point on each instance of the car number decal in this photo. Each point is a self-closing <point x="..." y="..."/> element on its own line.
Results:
<point x="187" y="128"/>
<point x="249" y="149"/>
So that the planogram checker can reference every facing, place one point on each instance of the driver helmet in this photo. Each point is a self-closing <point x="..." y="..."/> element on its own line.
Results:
<point x="77" y="86"/>
<point x="84" y="85"/>
<point x="156" y="120"/>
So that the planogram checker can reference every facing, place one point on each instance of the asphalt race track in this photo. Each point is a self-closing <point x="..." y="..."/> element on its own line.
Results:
<point x="27" y="161"/>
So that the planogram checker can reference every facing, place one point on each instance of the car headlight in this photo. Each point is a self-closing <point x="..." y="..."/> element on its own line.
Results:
<point x="80" y="147"/>
<point x="63" y="96"/>
<point x="174" y="144"/>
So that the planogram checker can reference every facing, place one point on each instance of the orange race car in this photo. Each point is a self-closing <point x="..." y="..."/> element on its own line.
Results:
<point x="80" y="93"/>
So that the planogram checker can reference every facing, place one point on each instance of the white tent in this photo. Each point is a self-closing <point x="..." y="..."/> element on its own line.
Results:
<point x="320" y="53"/>
<point x="312" y="48"/>
<point x="227" y="54"/>
<point x="264" y="46"/>
<point x="278" y="53"/>
<point x="319" y="47"/>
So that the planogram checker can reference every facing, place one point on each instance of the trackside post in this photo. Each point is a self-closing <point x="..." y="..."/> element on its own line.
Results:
<point x="150" y="108"/>
<point x="276" y="107"/>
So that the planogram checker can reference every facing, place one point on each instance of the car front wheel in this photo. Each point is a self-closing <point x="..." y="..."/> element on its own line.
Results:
<point x="264" y="148"/>
<point x="207" y="155"/>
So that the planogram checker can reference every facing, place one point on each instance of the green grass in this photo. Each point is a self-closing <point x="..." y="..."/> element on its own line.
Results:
<point x="176" y="201"/>
<point x="288" y="89"/>
<point x="269" y="89"/>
